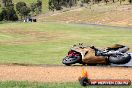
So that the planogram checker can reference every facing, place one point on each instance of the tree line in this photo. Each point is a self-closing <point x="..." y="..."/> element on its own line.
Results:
<point x="59" y="4"/>
<point x="20" y="10"/>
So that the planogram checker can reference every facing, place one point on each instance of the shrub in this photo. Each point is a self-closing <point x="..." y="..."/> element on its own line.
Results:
<point x="19" y="5"/>
<point x="9" y="14"/>
<point x="1" y="17"/>
<point x="24" y="11"/>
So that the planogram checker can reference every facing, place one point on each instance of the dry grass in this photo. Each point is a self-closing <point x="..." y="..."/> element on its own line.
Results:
<point x="29" y="36"/>
<point x="111" y="14"/>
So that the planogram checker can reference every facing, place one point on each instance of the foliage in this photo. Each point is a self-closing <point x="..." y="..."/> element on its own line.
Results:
<point x="8" y="13"/>
<point x="29" y="2"/>
<point x="6" y="3"/>
<point x="36" y="7"/>
<point x="1" y="17"/>
<point x="33" y="7"/>
<point x="39" y="6"/>
<point x="24" y="11"/>
<point x="58" y="4"/>
<point x="19" y="5"/>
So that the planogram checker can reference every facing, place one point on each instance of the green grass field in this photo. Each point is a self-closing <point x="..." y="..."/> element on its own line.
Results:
<point x="48" y="43"/>
<point x="13" y="84"/>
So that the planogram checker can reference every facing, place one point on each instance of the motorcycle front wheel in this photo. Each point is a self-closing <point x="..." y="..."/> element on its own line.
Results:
<point x="71" y="60"/>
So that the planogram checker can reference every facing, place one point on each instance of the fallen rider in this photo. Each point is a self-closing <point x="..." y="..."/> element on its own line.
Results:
<point x="92" y="56"/>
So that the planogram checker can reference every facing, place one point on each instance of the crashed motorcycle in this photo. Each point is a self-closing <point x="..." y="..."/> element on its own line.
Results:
<point x="90" y="55"/>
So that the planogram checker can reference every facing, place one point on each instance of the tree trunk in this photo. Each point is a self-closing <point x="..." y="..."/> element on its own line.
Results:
<point x="3" y="3"/>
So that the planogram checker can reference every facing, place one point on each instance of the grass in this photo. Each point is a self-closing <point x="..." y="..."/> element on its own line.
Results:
<point x="48" y="43"/>
<point x="13" y="84"/>
<point x="110" y="14"/>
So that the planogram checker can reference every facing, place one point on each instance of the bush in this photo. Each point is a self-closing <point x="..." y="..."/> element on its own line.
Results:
<point x="24" y="11"/>
<point x="33" y="7"/>
<point x="1" y="17"/>
<point x="4" y="13"/>
<point x="9" y="14"/>
<point x="19" y="5"/>
<point x="12" y="15"/>
<point x="39" y="5"/>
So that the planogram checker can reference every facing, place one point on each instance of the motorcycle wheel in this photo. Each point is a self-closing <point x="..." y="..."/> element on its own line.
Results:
<point x="120" y="59"/>
<point x="71" y="60"/>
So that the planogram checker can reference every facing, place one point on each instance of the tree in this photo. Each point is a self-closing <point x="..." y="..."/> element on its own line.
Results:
<point x="24" y="11"/>
<point x="3" y="3"/>
<point x="33" y="7"/>
<point x="1" y="17"/>
<point x="6" y="3"/>
<point x="19" y="5"/>
<point x="86" y="1"/>
<point x="58" y="4"/>
<point x="39" y="6"/>
<point x="9" y="14"/>
<point x="4" y="13"/>
<point x="36" y="7"/>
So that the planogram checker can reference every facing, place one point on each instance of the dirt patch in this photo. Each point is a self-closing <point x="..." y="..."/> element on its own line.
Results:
<point x="61" y="73"/>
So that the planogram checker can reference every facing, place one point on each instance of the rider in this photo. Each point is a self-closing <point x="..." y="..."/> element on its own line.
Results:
<point x="115" y="49"/>
<point x="118" y="47"/>
<point x="116" y="54"/>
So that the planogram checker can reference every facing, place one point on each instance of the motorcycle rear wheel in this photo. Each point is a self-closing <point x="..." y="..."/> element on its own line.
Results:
<point x="120" y="59"/>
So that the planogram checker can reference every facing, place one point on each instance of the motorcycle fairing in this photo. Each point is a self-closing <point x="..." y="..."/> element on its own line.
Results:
<point x="88" y="55"/>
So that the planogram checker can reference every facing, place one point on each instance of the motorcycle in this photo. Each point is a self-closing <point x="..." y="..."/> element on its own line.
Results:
<point x="92" y="56"/>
